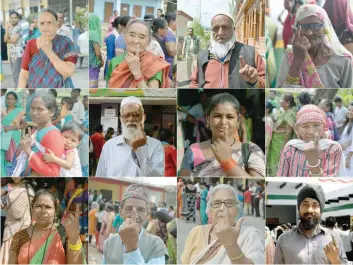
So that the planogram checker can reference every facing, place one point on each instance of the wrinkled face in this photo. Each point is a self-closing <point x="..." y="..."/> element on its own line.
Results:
<point x="141" y="209"/>
<point x="223" y="120"/>
<point x="40" y="114"/>
<point x="350" y="112"/>
<point x="307" y="130"/>
<point x="222" y="28"/>
<point x="137" y="38"/>
<point x="60" y="19"/>
<point x="47" y="24"/>
<point x="43" y="210"/>
<point x="131" y="116"/>
<point x="310" y="214"/>
<point x="11" y="100"/>
<point x="217" y="214"/>
<point x="14" y="19"/>
<point x="71" y="140"/>
<point x="315" y="36"/>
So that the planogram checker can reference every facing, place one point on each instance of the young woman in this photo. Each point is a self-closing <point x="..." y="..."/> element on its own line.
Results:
<point x="312" y="154"/>
<point x="160" y="30"/>
<point x="327" y="107"/>
<point x="223" y="155"/>
<point x="282" y="132"/>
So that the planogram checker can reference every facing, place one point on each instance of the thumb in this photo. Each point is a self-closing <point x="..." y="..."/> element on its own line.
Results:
<point x="242" y="62"/>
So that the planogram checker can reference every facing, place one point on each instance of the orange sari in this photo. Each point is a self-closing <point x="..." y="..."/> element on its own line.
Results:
<point x="150" y="66"/>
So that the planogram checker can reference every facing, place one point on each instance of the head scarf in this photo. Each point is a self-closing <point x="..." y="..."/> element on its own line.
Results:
<point x="95" y="28"/>
<point x="136" y="191"/>
<point x="312" y="191"/>
<point x="311" y="113"/>
<point x="17" y="104"/>
<point x="331" y="38"/>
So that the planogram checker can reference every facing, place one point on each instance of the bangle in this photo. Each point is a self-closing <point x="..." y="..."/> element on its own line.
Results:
<point x="75" y="247"/>
<point x="238" y="257"/>
<point x="320" y="174"/>
<point x="228" y="164"/>
<point x="292" y="80"/>
<point x="318" y="164"/>
<point x="139" y="79"/>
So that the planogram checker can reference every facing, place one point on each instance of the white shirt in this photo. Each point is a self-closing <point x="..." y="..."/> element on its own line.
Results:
<point x="64" y="31"/>
<point x="347" y="239"/>
<point x="118" y="159"/>
<point x="78" y="112"/>
<point x="340" y="116"/>
<point x="75" y="170"/>
<point x="83" y="43"/>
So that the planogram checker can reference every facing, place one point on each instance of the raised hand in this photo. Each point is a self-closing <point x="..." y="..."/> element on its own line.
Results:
<point x="311" y="151"/>
<point x="71" y="225"/>
<point x="301" y="45"/>
<point x="221" y="149"/>
<point x="140" y="139"/>
<point x="129" y="232"/>
<point x="26" y="142"/>
<point x="44" y="43"/>
<point x="332" y="251"/>
<point x="247" y="72"/>
<point x="133" y="61"/>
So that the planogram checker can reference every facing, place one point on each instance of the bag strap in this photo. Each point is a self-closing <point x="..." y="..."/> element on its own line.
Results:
<point x="245" y="152"/>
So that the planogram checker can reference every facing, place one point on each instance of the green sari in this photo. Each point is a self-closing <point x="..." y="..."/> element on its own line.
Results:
<point x="7" y="137"/>
<point x="277" y="141"/>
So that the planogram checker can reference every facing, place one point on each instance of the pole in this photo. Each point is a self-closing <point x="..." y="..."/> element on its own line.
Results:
<point x="71" y="13"/>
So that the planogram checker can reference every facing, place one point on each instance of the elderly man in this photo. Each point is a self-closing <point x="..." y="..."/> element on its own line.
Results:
<point x="132" y="153"/>
<point x="309" y="242"/>
<point x="132" y="244"/>
<point x="227" y="63"/>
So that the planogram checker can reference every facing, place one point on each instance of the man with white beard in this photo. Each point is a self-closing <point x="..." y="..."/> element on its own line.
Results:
<point x="227" y="63"/>
<point x="132" y="153"/>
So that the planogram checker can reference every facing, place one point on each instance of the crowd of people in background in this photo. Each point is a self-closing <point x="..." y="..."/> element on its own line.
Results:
<point x="105" y="220"/>
<point x="49" y="30"/>
<point x="143" y="62"/>
<point x="317" y="42"/>
<point x="296" y="127"/>
<point x="61" y="133"/>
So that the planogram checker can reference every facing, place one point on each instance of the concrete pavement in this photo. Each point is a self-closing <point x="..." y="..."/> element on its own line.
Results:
<point x="80" y="78"/>
<point x="182" y="76"/>
<point x="94" y="256"/>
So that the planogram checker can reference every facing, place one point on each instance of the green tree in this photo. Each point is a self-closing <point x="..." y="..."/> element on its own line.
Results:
<point x="199" y="31"/>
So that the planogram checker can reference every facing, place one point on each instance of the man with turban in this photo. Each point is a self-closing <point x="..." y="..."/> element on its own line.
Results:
<point x="309" y="242"/>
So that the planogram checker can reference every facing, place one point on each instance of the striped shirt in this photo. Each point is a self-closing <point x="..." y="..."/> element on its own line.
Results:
<point x="293" y="162"/>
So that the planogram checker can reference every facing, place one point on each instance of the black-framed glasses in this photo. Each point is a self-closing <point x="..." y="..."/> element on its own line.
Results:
<point x="228" y="203"/>
<point x="311" y="26"/>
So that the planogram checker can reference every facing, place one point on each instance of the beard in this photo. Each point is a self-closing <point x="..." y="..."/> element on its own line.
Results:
<point x="309" y="224"/>
<point x="130" y="132"/>
<point x="221" y="49"/>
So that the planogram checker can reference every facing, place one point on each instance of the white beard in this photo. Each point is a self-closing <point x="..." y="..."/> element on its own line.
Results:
<point x="130" y="132"/>
<point x="221" y="49"/>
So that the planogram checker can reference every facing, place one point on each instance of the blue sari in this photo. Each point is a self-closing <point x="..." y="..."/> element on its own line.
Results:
<point x="204" y="217"/>
<point x="42" y="73"/>
<point x="110" y="42"/>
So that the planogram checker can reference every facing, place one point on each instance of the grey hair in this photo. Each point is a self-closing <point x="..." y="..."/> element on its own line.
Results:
<point x="221" y="187"/>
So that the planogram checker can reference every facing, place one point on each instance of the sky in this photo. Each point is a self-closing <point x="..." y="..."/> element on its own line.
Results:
<point x="192" y="7"/>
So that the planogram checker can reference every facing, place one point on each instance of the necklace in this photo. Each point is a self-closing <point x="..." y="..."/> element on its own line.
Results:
<point x="46" y="242"/>
<point x="43" y="229"/>
<point x="230" y="145"/>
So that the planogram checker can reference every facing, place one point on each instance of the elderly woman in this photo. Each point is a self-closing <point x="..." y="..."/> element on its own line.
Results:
<point x="49" y="60"/>
<point x="317" y="58"/>
<point x="138" y="68"/>
<point x="225" y="240"/>
<point x="11" y="116"/>
<point x="223" y="155"/>
<point x="30" y="161"/>
<point x="312" y="154"/>
<point x="41" y="243"/>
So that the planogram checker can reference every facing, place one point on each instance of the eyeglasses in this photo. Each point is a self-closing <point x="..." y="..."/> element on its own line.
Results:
<point x="311" y="26"/>
<point x="134" y="116"/>
<point x="227" y="203"/>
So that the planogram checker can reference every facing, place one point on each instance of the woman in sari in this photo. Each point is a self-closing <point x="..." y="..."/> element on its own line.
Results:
<point x="41" y="243"/>
<point x="110" y="43"/>
<point x="95" y="44"/>
<point x="107" y="224"/>
<point x="347" y="141"/>
<point x="180" y="187"/>
<point x="223" y="155"/>
<point x="30" y="161"/>
<point x="49" y="60"/>
<point x="204" y="194"/>
<point x="327" y="107"/>
<point x="66" y="107"/>
<point x="316" y="59"/>
<point x="189" y="202"/>
<point x="225" y="240"/>
<point x="170" y="153"/>
<point x="160" y="30"/>
<point x="18" y="204"/>
<point x="268" y="126"/>
<point x="312" y="154"/>
<point x="10" y="129"/>
<point x="137" y="67"/>
<point x="171" y="243"/>
<point x="92" y="221"/>
<point x="282" y="132"/>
